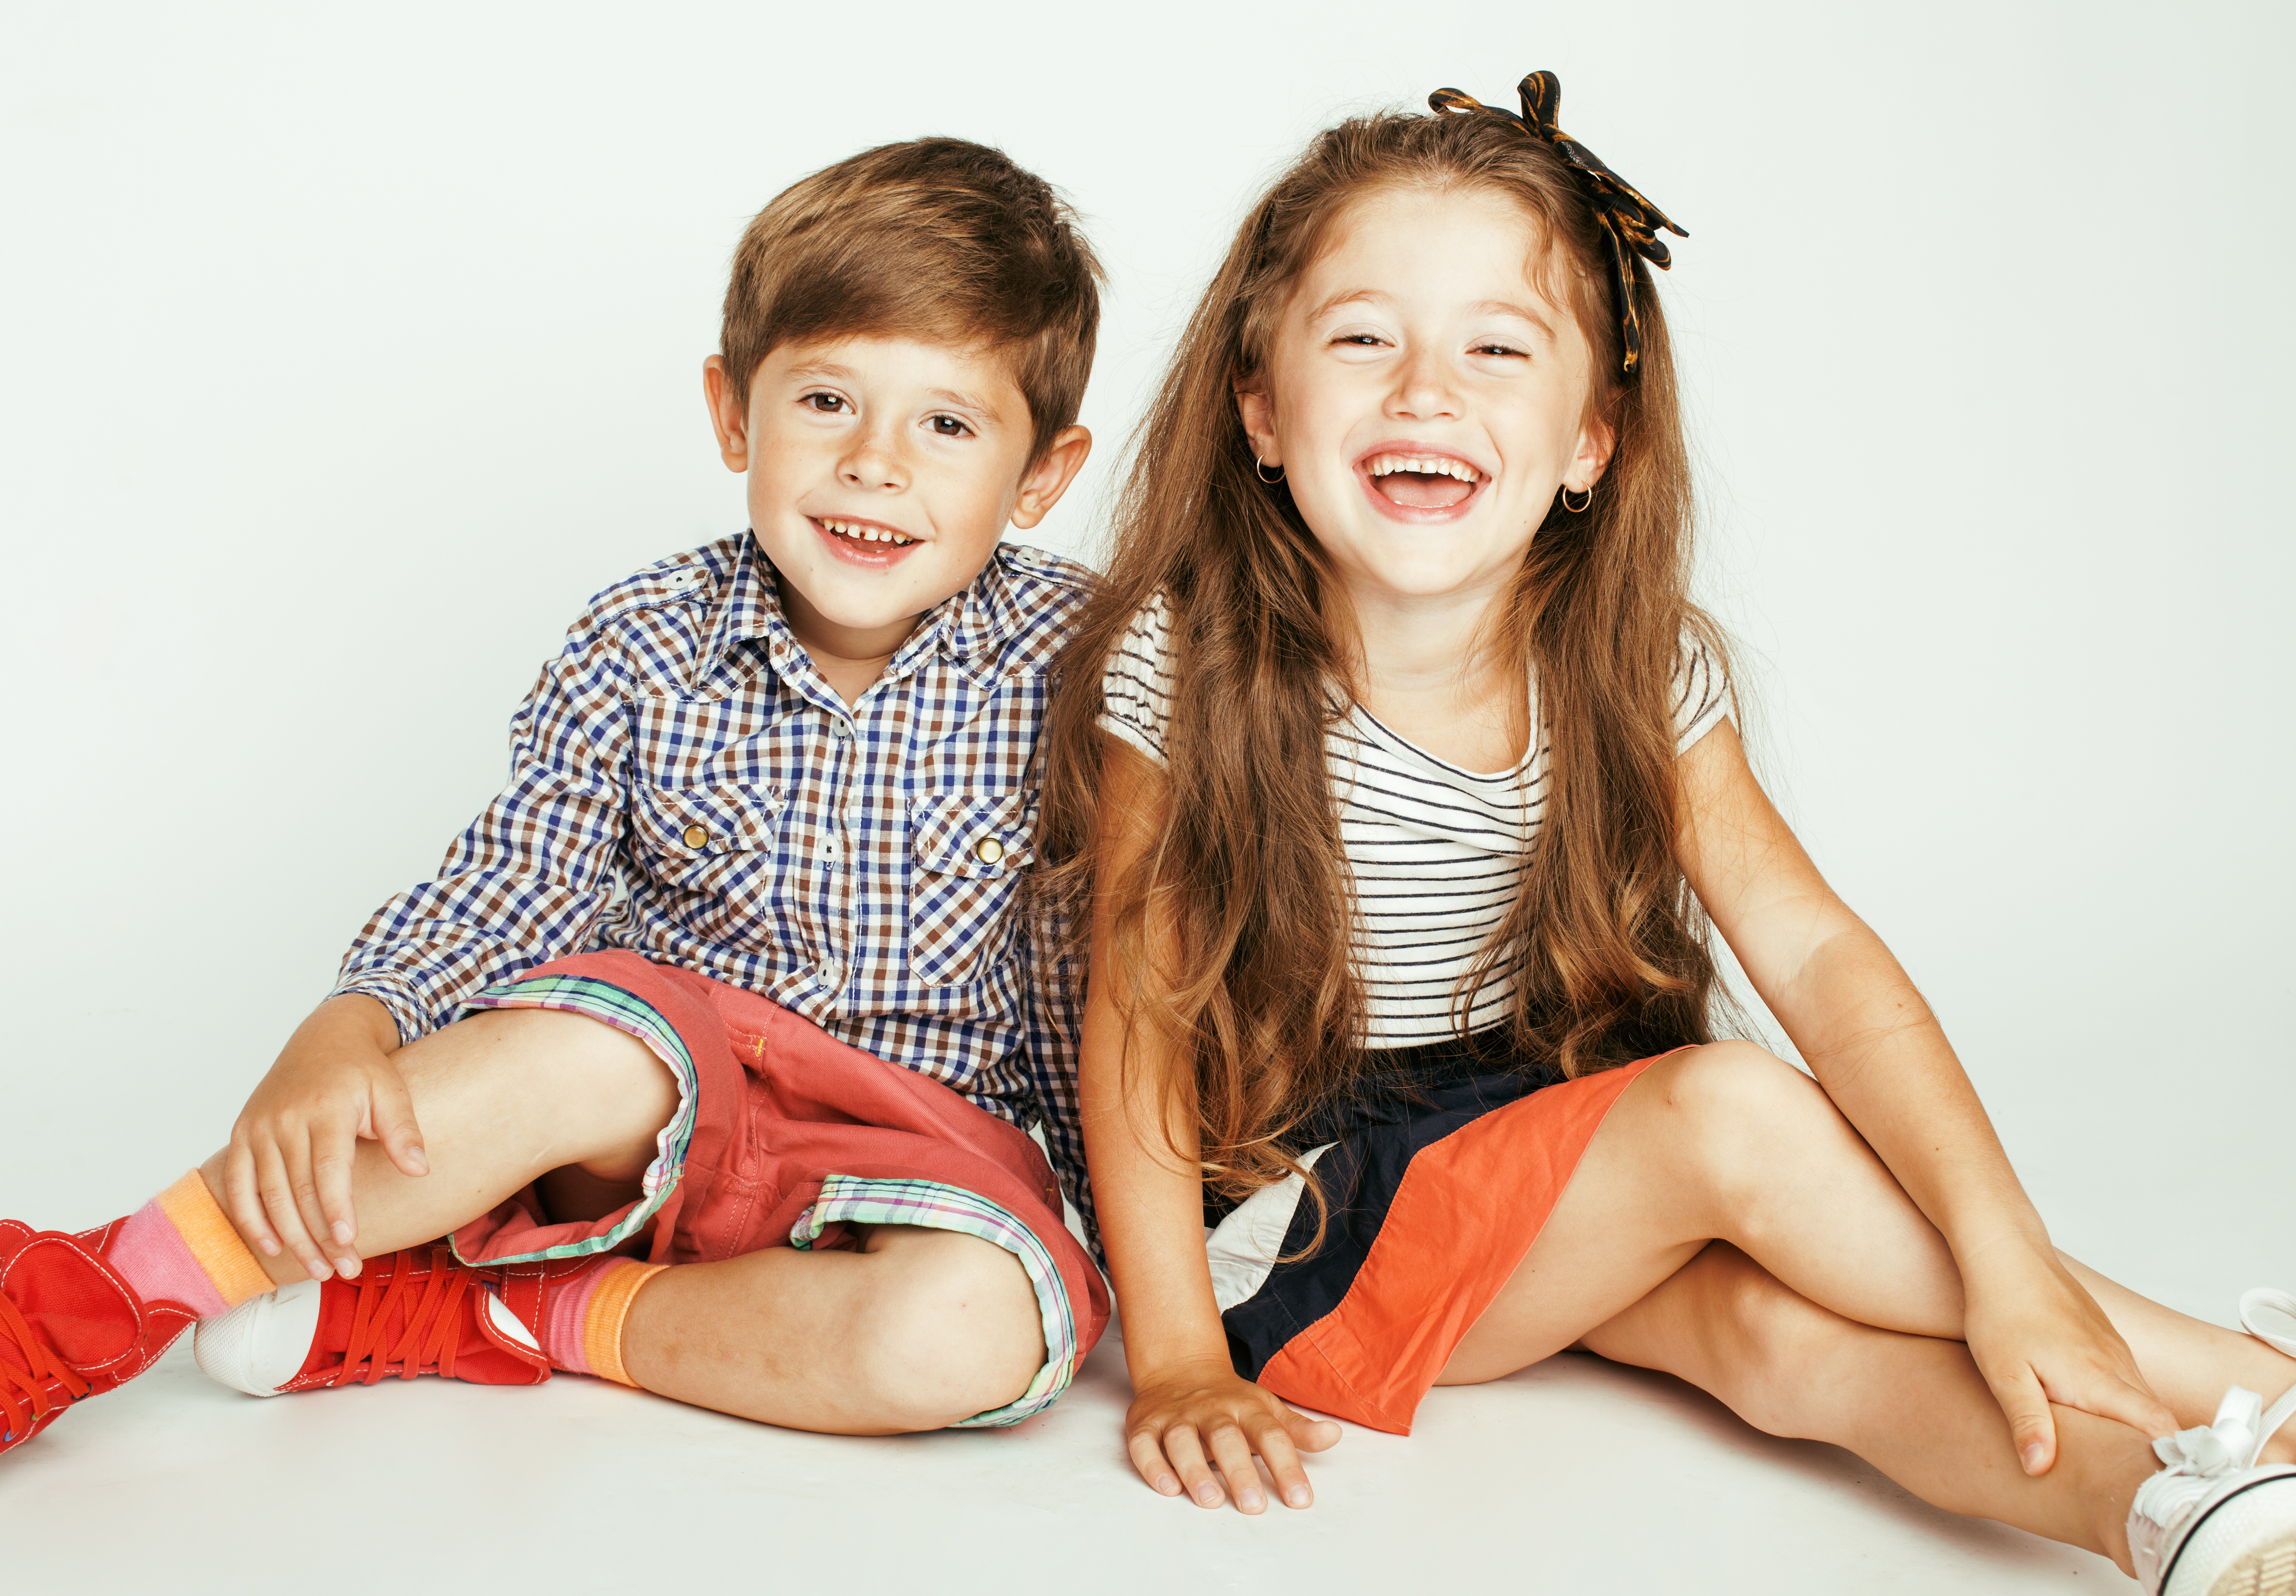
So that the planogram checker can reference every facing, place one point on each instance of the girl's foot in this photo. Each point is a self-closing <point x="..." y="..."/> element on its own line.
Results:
<point x="2213" y="1523"/>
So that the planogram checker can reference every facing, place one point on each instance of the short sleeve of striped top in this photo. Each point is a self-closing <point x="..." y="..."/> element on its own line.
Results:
<point x="1436" y="851"/>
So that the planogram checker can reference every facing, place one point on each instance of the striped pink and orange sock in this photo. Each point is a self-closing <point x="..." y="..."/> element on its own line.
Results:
<point x="181" y="1248"/>
<point x="581" y="1324"/>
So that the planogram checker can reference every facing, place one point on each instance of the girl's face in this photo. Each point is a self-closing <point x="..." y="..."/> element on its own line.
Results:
<point x="1425" y="398"/>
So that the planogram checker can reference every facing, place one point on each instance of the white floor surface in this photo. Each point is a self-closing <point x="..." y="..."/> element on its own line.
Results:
<point x="1575" y="1475"/>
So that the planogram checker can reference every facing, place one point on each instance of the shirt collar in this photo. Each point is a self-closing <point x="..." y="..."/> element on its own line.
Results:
<point x="967" y="623"/>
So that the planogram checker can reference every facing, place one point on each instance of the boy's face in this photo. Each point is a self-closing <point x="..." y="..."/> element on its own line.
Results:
<point x="882" y="472"/>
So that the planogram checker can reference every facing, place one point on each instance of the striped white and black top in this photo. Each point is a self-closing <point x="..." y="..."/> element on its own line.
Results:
<point x="1438" y="853"/>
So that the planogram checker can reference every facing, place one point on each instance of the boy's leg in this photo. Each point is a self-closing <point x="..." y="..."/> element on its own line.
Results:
<point x="918" y="1329"/>
<point x="504" y="1098"/>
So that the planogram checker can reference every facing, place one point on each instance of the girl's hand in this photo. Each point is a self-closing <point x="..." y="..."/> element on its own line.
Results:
<point x="1191" y="1426"/>
<point x="2039" y="1338"/>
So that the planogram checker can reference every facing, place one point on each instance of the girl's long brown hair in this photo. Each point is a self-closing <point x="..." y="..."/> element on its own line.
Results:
<point x="1606" y="943"/>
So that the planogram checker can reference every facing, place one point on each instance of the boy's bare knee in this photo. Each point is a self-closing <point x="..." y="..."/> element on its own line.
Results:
<point x="950" y="1328"/>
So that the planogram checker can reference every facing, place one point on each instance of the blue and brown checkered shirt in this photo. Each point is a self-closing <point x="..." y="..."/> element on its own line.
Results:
<point x="685" y="784"/>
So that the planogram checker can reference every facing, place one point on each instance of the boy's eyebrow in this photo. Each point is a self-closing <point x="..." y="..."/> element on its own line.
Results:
<point x="964" y="401"/>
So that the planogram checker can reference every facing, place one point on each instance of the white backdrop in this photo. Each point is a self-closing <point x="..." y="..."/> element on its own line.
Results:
<point x="349" y="349"/>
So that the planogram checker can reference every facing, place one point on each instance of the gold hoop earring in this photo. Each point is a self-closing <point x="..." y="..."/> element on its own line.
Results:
<point x="1260" y="471"/>
<point x="1586" y="497"/>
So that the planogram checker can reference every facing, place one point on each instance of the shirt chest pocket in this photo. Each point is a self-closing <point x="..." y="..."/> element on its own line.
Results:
<point x="970" y="853"/>
<point x="713" y="838"/>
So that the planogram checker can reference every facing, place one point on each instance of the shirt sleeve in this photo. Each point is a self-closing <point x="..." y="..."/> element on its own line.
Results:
<point x="532" y="874"/>
<point x="1702" y="693"/>
<point x="1136" y="688"/>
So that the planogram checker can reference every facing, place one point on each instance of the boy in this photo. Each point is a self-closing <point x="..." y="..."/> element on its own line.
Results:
<point x="746" y="1131"/>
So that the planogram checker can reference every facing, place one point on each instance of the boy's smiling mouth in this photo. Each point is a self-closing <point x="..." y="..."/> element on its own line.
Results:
<point x="869" y="543"/>
<point x="1422" y="483"/>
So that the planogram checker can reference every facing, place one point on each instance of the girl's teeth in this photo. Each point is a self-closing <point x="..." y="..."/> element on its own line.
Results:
<point x="1440" y="466"/>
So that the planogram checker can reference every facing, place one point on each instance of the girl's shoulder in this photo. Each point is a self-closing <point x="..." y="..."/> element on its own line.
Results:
<point x="1703" y="698"/>
<point x="1137" y="682"/>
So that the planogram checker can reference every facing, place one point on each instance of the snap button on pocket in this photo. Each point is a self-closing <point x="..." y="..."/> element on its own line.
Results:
<point x="695" y="836"/>
<point x="988" y="851"/>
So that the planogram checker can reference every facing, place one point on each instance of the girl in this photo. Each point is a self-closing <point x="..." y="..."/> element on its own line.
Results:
<point x="1404" y="786"/>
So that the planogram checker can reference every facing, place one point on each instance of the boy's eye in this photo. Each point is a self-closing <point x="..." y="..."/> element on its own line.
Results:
<point x="947" y="426"/>
<point x="826" y="404"/>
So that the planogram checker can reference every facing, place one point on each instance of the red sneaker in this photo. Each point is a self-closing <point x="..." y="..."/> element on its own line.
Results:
<point x="69" y="1327"/>
<point x="417" y="1311"/>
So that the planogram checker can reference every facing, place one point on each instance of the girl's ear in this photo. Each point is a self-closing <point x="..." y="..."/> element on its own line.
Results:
<point x="1258" y="424"/>
<point x="1596" y="440"/>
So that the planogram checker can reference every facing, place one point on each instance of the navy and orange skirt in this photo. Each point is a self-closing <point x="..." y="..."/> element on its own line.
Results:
<point x="1438" y="1171"/>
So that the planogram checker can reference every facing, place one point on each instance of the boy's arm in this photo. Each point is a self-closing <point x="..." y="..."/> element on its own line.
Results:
<point x="1191" y="1413"/>
<point x="521" y="886"/>
<point x="1869" y="1037"/>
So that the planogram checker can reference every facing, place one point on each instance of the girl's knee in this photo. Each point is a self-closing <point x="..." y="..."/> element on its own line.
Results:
<point x="1765" y="1340"/>
<point x="1732" y="1099"/>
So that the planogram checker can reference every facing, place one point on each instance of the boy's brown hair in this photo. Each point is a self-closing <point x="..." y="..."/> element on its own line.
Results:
<point x="937" y="239"/>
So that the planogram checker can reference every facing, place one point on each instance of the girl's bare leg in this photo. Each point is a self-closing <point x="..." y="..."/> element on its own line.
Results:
<point x="1726" y="1143"/>
<point x="917" y="1330"/>
<point x="1913" y="1406"/>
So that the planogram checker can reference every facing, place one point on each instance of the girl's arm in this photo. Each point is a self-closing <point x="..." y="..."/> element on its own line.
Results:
<point x="1874" y="1046"/>
<point x="1191" y="1413"/>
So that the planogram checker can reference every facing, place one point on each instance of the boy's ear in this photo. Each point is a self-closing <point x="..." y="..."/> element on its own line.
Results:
<point x="729" y="413"/>
<point x="1046" y="481"/>
<point x="1258" y="418"/>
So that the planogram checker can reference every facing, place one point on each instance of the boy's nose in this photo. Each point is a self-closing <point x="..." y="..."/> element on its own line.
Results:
<point x="870" y="465"/>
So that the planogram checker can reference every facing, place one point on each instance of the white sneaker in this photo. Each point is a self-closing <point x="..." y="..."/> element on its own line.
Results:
<point x="2213" y="1523"/>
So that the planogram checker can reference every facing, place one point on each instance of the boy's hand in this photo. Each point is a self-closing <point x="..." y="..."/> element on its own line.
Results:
<point x="287" y="1175"/>
<point x="1192" y="1426"/>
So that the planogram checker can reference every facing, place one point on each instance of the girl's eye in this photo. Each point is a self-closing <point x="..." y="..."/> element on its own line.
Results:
<point x="825" y="404"/>
<point x="1496" y="350"/>
<point x="1361" y="340"/>
<point x="948" y="426"/>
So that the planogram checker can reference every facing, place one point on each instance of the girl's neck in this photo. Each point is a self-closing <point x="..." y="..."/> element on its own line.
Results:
<point x="1427" y="670"/>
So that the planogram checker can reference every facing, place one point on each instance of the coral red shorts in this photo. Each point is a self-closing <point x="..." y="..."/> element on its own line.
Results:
<point x="785" y="1136"/>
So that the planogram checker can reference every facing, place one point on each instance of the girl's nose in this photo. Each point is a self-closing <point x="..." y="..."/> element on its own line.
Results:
<point x="1423" y="391"/>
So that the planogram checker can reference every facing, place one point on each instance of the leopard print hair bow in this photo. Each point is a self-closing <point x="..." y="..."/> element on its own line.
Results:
<point x="1629" y="221"/>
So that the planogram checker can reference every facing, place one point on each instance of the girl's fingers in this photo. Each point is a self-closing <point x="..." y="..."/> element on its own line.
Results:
<point x="279" y="1206"/>
<point x="1272" y="1442"/>
<point x="1186" y="1451"/>
<point x="2032" y="1431"/>
<point x="1233" y="1453"/>
<point x="1310" y="1435"/>
<point x="1148" y="1459"/>
<point x="246" y="1207"/>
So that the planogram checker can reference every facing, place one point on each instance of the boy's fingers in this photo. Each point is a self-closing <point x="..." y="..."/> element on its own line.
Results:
<point x="1233" y="1453"/>
<point x="1272" y="1442"/>
<point x="1148" y="1457"/>
<point x="279" y="1204"/>
<point x="395" y="1122"/>
<point x="304" y="1153"/>
<point x="331" y="1174"/>
<point x="246" y="1207"/>
<point x="1186" y="1452"/>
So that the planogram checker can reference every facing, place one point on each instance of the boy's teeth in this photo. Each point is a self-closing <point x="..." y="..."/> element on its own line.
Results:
<point x="1426" y="465"/>
<point x="867" y="534"/>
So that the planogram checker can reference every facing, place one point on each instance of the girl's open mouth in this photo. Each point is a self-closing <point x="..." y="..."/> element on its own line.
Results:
<point x="865" y="544"/>
<point x="1423" y="486"/>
